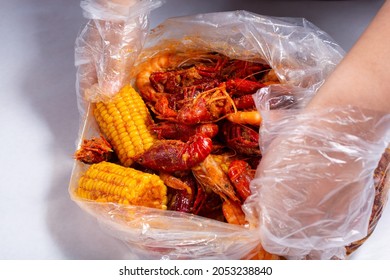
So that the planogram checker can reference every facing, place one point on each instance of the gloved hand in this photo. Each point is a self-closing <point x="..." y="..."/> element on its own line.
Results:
<point x="313" y="193"/>
<point x="314" y="187"/>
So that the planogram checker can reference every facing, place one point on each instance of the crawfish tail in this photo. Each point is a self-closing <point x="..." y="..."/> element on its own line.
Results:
<point x="182" y="199"/>
<point x="240" y="174"/>
<point x="243" y="139"/>
<point x="175" y="155"/>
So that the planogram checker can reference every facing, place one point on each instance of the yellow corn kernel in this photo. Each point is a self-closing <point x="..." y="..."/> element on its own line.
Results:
<point x="124" y="120"/>
<point x="109" y="182"/>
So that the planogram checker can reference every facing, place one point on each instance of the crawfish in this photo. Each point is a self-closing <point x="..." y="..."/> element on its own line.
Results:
<point x="196" y="87"/>
<point x="241" y="87"/>
<point x="211" y="207"/>
<point x="179" y="131"/>
<point x="183" y="191"/>
<point x="241" y="174"/>
<point x="94" y="150"/>
<point x="245" y="102"/>
<point x="176" y="155"/>
<point x="172" y="80"/>
<point x="195" y="200"/>
<point x="200" y="200"/>
<point x="242" y="139"/>
<point x="160" y="62"/>
<point x="183" y="82"/>
<point x="198" y="103"/>
<point x="208" y="106"/>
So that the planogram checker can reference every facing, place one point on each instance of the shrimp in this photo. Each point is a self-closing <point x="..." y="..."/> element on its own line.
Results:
<point x="211" y="176"/>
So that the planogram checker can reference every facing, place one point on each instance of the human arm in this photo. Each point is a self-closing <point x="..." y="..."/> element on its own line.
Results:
<point x="362" y="78"/>
<point x="314" y="187"/>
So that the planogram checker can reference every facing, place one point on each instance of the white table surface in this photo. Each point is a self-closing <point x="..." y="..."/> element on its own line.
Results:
<point x="39" y="120"/>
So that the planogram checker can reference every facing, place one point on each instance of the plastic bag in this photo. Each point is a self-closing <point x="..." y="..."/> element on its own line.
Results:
<point x="318" y="198"/>
<point x="301" y="55"/>
<point x="108" y="46"/>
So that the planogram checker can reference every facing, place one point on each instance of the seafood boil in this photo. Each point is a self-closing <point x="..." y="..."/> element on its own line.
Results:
<point x="184" y="137"/>
<point x="190" y="119"/>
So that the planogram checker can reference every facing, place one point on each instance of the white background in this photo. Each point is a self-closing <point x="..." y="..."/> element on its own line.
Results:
<point x="39" y="120"/>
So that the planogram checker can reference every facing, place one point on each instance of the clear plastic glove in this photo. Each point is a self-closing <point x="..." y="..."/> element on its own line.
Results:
<point x="314" y="188"/>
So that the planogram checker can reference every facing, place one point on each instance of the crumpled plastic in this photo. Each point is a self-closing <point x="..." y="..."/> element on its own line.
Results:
<point x="314" y="188"/>
<point x="108" y="46"/>
<point x="116" y="40"/>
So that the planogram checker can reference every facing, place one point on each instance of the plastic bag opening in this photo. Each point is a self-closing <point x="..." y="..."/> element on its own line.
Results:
<point x="110" y="51"/>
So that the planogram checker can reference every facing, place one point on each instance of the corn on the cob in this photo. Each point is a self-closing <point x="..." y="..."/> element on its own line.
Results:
<point x="109" y="182"/>
<point x="124" y="120"/>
